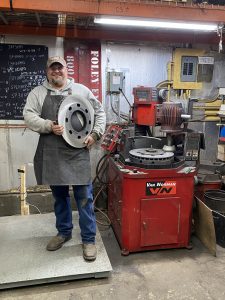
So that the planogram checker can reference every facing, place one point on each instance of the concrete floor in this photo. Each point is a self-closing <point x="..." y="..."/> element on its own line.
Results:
<point x="162" y="274"/>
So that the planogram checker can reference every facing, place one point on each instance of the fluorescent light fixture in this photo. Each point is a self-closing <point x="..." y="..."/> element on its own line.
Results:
<point x="156" y="24"/>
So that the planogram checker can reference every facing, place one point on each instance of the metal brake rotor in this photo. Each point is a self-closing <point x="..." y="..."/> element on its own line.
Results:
<point x="149" y="156"/>
<point x="76" y="115"/>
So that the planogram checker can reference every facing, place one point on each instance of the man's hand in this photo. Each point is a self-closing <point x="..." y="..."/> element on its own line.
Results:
<point x="57" y="129"/>
<point x="89" y="141"/>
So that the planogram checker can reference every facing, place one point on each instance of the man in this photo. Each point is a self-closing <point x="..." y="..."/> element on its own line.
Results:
<point x="58" y="164"/>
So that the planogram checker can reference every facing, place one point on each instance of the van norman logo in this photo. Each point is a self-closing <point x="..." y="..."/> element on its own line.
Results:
<point x="161" y="188"/>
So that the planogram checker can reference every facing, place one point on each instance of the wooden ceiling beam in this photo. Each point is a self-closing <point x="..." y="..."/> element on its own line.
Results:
<point x="159" y="10"/>
<point x="112" y="35"/>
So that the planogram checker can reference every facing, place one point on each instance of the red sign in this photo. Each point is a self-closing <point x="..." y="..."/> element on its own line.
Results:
<point x="71" y="64"/>
<point x="96" y="73"/>
<point x="84" y="66"/>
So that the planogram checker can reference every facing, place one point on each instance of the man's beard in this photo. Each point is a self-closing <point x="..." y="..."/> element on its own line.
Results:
<point x="58" y="81"/>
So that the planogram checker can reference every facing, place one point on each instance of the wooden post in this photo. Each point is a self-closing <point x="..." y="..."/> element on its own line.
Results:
<point x="24" y="207"/>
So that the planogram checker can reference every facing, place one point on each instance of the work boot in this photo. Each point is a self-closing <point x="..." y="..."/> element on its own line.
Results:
<point x="57" y="241"/>
<point x="89" y="252"/>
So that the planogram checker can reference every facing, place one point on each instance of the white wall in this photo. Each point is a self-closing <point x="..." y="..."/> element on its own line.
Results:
<point x="141" y="64"/>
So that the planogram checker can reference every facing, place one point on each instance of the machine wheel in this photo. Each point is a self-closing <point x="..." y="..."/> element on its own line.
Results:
<point x="125" y="252"/>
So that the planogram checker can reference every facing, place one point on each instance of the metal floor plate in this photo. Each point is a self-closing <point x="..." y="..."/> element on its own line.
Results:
<point x="25" y="261"/>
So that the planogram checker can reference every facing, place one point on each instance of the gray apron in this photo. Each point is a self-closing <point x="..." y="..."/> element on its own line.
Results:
<point x="55" y="161"/>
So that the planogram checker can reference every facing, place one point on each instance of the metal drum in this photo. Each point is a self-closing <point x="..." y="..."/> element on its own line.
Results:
<point x="215" y="200"/>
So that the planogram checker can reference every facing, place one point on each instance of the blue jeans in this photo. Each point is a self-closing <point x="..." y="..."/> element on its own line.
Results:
<point x="63" y="211"/>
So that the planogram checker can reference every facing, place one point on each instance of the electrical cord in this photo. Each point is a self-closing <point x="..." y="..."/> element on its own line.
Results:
<point x="115" y="112"/>
<point x="103" y="160"/>
<point x="105" y="184"/>
<point x="100" y="169"/>
<point x="98" y="209"/>
<point x="105" y="215"/>
<point x="25" y="195"/>
<point x="33" y="206"/>
<point x="125" y="97"/>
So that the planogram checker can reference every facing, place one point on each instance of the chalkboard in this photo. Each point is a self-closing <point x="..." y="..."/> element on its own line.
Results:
<point x="22" y="67"/>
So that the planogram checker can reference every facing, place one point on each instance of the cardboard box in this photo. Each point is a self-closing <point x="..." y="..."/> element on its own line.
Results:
<point x="221" y="156"/>
<point x="221" y="149"/>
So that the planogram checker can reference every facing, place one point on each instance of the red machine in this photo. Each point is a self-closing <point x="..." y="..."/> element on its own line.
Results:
<point x="150" y="209"/>
<point x="151" y="180"/>
<point x="145" y="104"/>
<point x="111" y="137"/>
